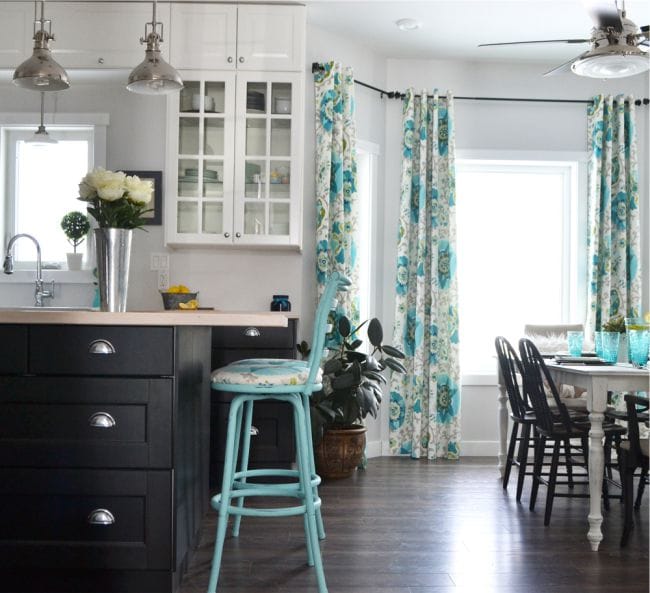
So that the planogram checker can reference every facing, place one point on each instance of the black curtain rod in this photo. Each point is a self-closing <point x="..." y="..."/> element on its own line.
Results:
<point x="316" y="67"/>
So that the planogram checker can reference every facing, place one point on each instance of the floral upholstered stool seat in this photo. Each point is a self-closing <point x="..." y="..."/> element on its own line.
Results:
<point x="264" y="372"/>
<point x="293" y="382"/>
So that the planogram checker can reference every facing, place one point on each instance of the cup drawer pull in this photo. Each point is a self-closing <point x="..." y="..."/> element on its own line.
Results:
<point x="100" y="517"/>
<point x="101" y="347"/>
<point x="252" y="332"/>
<point x="102" y="420"/>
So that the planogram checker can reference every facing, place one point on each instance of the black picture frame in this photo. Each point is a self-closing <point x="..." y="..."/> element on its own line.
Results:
<point x="154" y="217"/>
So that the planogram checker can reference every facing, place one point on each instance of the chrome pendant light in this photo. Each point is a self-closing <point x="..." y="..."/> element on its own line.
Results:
<point x="41" y="72"/>
<point x="41" y="136"/>
<point x="154" y="76"/>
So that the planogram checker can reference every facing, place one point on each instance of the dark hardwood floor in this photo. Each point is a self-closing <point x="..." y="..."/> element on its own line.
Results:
<point x="406" y="526"/>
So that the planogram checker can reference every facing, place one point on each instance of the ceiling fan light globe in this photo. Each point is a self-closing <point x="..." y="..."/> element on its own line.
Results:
<point x="614" y="65"/>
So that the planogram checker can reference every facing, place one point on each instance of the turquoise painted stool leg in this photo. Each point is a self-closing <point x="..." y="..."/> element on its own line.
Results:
<point x="312" y="463"/>
<point x="234" y="420"/>
<point x="307" y="489"/>
<point x="243" y="466"/>
<point x="303" y="457"/>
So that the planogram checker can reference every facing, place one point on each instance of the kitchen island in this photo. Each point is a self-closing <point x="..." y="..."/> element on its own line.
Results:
<point x="104" y="431"/>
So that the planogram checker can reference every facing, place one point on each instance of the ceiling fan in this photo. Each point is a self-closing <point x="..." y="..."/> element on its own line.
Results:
<point x="619" y="47"/>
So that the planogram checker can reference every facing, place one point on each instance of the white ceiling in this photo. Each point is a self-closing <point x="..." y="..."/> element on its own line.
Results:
<point x="452" y="29"/>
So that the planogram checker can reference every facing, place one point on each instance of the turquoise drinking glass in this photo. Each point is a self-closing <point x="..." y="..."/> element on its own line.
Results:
<point x="610" y="346"/>
<point x="639" y="345"/>
<point x="574" y="340"/>
<point x="598" y="343"/>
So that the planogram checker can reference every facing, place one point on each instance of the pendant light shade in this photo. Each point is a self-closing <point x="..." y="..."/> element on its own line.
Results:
<point x="41" y="137"/>
<point x="41" y="72"/>
<point x="154" y="76"/>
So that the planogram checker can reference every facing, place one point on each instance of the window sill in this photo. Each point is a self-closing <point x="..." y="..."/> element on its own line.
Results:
<point x="59" y="276"/>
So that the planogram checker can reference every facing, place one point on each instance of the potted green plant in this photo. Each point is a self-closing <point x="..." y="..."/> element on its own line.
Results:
<point x="352" y="389"/>
<point x="75" y="225"/>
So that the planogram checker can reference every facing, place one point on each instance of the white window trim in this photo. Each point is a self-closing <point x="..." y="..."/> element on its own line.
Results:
<point x="574" y="301"/>
<point x="27" y="120"/>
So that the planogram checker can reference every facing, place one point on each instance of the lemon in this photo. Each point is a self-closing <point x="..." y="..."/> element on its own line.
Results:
<point x="178" y="288"/>
<point x="646" y="317"/>
<point x="193" y="304"/>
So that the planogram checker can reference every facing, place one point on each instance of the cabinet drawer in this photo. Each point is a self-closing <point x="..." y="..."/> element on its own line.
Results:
<point x="13" y="349"/>
<point x="85" y="422"/>
<point x="46" y="519"/>
<point x="254" y="337"/>
<point x="101" y="350"/>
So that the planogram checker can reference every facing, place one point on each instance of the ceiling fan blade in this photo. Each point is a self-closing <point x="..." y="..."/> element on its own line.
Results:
<point x="542" y="41"/>
<point x="604" y="13"/>
<point x="564" y="67"/>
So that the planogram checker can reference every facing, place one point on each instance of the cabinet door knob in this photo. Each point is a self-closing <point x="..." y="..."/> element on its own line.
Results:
<point x="102" y="420"/>
<point x="100" y="61"/>
<point x="229" y="60"/>
<point x="101" y="347"/>
<point x="226" y="235"/>
<point x="252" y="332"/>
<point x="254" y="431"/>
<point x="238" y="235"/>
<point x="241" y="59"/>
<point x="100" y="517"/>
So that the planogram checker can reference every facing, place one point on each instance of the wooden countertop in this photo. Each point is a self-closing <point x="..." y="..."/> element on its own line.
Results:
<point x="153" y="318"/>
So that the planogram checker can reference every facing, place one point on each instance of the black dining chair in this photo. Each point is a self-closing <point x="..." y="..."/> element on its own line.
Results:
<point x="632" y="454"/>
<point x="556" y="426"/>
<point x="521" y="412"/>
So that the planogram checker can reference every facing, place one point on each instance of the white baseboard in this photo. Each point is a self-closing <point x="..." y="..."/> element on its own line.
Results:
<point x="467" y="449"/>
<point x="375" y="449"/>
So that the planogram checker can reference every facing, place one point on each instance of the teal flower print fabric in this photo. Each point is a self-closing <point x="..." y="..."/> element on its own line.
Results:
<point x="614" y="241"/>
<point x="336" y="182"/>
<point x="425" y="401"/>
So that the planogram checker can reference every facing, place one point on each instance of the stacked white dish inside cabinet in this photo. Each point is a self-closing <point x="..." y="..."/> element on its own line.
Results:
<point x="235" y="132"/>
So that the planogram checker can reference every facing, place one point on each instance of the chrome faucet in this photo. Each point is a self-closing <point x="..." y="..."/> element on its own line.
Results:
<point x="39" y="292"/>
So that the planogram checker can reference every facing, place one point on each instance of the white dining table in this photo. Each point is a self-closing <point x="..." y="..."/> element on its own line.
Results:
<point x="597" y="380"/>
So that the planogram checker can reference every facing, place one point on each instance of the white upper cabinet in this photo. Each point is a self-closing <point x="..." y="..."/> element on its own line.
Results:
<point x="103" y="34"/>
<point x="234" y="160"/>
<point x="16" y="32"/>
<point x="243" y="37"/>
<point x="204" y="36"/>
<point x="270" y="37"/>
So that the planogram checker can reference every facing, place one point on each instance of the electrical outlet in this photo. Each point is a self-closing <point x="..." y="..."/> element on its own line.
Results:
<point x="163" y="279"/>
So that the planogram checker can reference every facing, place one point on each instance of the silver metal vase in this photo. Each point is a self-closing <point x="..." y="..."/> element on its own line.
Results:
<point x="113" y="257"/>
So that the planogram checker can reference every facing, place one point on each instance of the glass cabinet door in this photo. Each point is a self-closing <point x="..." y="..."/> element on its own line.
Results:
<point x="204" y="159"/>
<point x="263" y="179"/>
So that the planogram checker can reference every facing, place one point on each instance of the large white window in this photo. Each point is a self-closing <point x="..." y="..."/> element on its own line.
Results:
<point x="521" y="251"/>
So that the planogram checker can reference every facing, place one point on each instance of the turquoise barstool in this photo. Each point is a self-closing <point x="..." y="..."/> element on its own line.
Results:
<point x="290" y="381"/>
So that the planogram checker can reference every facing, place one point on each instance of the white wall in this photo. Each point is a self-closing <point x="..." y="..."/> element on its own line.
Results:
<point x="499" y="126"/>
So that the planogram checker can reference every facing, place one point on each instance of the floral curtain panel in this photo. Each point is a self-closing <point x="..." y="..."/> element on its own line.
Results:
<point x="336" y="182"/>
<point x="425" y="402"/>
<point x="614" y="241"/>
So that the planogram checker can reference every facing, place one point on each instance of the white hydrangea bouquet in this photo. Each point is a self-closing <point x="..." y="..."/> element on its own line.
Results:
<point x="115" y="199"/>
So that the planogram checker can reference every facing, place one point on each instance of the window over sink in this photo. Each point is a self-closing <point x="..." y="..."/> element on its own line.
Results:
<point x="41" y="181"/>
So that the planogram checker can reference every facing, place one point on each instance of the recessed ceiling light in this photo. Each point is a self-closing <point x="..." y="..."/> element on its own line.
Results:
<point x="408" y="24"/>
